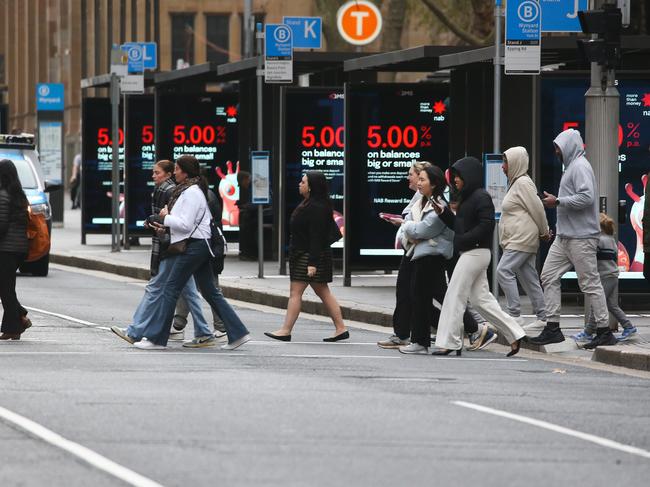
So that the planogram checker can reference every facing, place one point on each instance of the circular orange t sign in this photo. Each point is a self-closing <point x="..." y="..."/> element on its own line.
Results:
<point x="359" y="22"/>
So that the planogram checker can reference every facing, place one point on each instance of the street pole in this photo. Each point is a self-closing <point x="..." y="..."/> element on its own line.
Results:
<point x="496" y="141"/>
<point x="115" y="124"/>
<point x="260" y="144"/>
<point x="602" y="102"/>
<point x="248" y="7"/>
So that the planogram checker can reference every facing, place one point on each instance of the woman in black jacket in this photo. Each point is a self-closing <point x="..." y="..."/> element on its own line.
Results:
<point x="473" y="227"/>
<point x="310" y="255"/>
<point x="13" y="249"/>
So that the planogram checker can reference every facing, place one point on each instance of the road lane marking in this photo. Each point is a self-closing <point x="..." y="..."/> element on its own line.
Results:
<point x="336" y="356"/>
<point x="66" y="317"/>
<point x="94" y="459"/>
<point x="558" y="429"/>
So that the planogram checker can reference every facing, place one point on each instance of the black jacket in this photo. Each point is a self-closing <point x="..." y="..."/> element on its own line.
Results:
<point x="473" y="223"/>
<point x="13" y="226"/>
<point x="310" y="227"/>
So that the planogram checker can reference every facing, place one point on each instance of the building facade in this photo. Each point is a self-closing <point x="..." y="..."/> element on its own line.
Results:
<point x="65" y="41"/>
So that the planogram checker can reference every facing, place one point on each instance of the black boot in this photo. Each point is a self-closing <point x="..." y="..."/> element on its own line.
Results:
<point x="550" y="334"/>
<point x="604" y="337"/>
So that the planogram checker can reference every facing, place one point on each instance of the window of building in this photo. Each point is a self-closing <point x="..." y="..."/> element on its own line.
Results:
<point x="217" y="32"/>
<point x="182" y="40"/>
<point x="2" y="71"/>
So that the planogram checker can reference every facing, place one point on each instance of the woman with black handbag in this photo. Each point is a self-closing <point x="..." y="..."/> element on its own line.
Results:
<point x="313" y="230"/>
<point x="13" y="249"/>
<point x="189" y="254"/>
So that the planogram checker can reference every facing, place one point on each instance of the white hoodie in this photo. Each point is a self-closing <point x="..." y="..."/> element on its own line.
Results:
<point x="577" y="213"/>
<point x="523" y="220"/>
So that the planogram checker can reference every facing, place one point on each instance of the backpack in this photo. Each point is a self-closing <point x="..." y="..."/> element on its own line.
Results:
<point x="38" y="236"/>
<point x="218" y="246"/>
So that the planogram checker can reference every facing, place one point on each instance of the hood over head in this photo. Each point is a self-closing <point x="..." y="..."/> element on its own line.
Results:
<point x="470" y="171"/>
<point x="517" y="158"/>
<point x="571" y="145"/>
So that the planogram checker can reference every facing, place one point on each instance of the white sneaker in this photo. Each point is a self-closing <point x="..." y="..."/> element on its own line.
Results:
<point x="414" y="348"/>
<point x="145" y="344"/>
<point x="221" y="336"/>
<point x="537" y="325"/>
<point x="236" y="343"/>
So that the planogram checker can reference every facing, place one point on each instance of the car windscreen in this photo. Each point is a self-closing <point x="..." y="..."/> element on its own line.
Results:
<point x="24" y="168"/>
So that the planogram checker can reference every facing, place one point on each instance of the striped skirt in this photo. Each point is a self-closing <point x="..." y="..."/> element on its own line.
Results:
<point x="298" y="266"/>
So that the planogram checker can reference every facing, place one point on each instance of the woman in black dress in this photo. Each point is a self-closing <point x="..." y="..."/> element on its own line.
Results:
<point x="310" y="255"/>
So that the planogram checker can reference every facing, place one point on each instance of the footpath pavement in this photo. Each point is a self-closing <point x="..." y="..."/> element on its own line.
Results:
<point x="370" y="299"/>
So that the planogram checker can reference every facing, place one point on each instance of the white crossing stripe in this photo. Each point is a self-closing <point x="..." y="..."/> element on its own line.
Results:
<point x="95" y="459"/>
<point x="632" y="450"/>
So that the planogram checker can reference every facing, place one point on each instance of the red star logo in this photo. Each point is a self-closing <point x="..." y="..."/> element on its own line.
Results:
<point x="439" y="107"/>
<point x="646" y="100"/>
<point x="231" y="111"/>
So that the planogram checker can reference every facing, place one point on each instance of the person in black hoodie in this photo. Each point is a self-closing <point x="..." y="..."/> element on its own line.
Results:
<point x="13" y="249"/>
<point x="473" y="226"/>
<point x="310" y="255"/>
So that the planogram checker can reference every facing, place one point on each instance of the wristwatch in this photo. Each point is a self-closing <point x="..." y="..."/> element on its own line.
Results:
<point x="557" y="202"/>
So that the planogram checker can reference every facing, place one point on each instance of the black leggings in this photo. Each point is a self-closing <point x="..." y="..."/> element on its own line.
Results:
<point x="13" y="311"/>
<point x="428" y="282"/>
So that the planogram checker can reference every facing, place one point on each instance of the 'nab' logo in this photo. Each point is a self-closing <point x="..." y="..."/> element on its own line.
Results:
<point x="43" y="90"/>
<point x="359" y="22"/>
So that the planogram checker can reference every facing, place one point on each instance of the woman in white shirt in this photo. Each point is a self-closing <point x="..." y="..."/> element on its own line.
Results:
<point x="188" y="218"/>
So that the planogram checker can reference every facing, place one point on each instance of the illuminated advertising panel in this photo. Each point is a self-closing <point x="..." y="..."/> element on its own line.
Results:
<point x="563" y="106"/>
<point x="314" y="140"/>
<point x="141" y="154"/>
<point x="97" y="166"/>
<point x="388" y="128"/>
<point x="206" y="127"/>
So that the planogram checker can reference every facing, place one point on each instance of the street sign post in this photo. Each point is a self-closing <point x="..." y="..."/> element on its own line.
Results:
<point x="523" y="48"/>
<point x="359" y="22"/>
<point x="562" y="15"/>
<point x="278" y="54"/>
<point x="49" y="97"/>
<point x="307" y="31"/>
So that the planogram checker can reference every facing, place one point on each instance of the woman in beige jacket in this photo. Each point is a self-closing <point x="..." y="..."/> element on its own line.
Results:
<point x="523" y="222"/>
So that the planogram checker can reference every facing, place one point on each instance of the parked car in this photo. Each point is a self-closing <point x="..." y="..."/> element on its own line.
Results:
<point x="20" y="149"/>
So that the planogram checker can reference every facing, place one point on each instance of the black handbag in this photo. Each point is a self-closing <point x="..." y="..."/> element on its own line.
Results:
<point x="180" y="247"/>
<point x="335" y="233"/>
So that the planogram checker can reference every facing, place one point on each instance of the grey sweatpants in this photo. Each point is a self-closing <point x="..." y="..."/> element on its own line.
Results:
<point x="580" y="254"/>
<point x="609" y="286"/>
<point x="520" y="265"/>
<point x="182" y="311"/>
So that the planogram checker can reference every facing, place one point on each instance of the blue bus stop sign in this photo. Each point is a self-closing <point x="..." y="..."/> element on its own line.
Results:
<point x="562" y="15"/>
<point x="307" y="31"/>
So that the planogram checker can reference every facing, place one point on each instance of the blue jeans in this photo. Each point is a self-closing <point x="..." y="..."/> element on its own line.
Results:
<point x="152" y="294"/>
<point x="180" y="268"/>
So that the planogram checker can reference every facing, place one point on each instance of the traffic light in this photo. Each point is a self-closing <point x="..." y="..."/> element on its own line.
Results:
<point x="606" y="23"/>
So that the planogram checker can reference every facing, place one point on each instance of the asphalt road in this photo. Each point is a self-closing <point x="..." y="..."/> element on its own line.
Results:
<point x="299" y="414"/>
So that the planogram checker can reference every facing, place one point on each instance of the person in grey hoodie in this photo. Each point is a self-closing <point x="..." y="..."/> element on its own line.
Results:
<point x="578" y="230"/>
<point x="523" y="223"/>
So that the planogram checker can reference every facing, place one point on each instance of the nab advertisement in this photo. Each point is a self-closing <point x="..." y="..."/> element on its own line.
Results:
<point x="314" y="140"/>
<point x="389" y="127"/>
<point x="206" y="127"/>
<point x="141" y="154"/>
<point x="563" y="107"/>
<point x="97" y="166"/>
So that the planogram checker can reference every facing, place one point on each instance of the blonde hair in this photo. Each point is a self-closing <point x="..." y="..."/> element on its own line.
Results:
<point x="418" y="166"/>
<point x="606" y="224"/>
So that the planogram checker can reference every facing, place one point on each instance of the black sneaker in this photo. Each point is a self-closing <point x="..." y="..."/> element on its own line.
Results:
<point x="602" y="339"/>
<point x="550" y="334"/>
